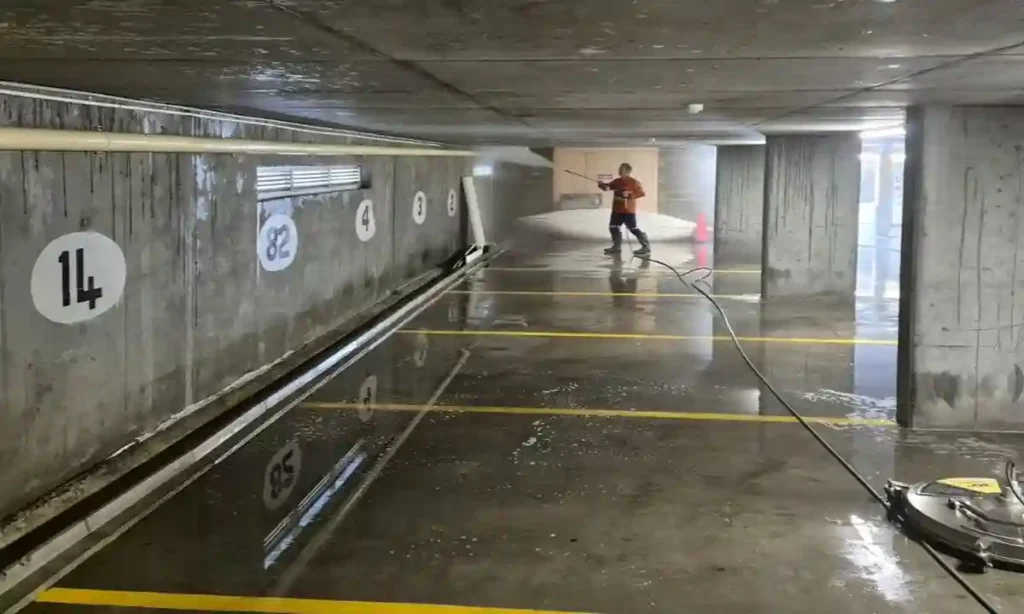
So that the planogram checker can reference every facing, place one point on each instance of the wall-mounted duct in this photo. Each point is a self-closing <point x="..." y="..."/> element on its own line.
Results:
<point x="273" y="182"/>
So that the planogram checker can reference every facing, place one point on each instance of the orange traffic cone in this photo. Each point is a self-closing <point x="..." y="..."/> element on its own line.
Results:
<point x="701" y="232"/>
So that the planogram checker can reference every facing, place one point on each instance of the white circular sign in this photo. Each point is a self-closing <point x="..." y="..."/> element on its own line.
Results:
<point x="422" y="347"/>
<point x="278" y="242"/>
<point x="419" y="207"/>
<point x="453" y="202"/>
<point x="281" y="475"/>
<point x="77" y="277"/>
<point x="366" y="225"/>
<point x="367" y="398"/>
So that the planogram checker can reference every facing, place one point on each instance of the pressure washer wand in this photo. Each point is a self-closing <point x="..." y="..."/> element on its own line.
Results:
<point x="583" y="176"/>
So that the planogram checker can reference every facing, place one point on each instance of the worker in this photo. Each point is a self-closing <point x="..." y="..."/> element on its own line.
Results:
<point x="626" y="190"/>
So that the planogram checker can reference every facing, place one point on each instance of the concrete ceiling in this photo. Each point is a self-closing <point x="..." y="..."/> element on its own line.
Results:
<point x="531" y="72"/>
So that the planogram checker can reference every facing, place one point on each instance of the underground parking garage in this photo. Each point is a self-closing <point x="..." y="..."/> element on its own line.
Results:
<point x="478" y="307"/>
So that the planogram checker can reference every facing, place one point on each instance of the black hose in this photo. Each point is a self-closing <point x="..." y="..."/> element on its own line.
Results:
<point x="982" y="601"/>
<point x="1012" y="481"/>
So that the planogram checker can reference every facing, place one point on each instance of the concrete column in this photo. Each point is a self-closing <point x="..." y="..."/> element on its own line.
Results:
<point x="812" y="185"/>
<point x="739" y="202"/>
<point x="961" y="321"/>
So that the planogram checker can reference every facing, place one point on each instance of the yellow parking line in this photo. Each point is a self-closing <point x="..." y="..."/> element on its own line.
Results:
<point x="269" y="605"/>
<point x="652" y="271"/>
<point x="645" y="337"/>
<point x="753" y="298"/>
<point x="599" y="413"/>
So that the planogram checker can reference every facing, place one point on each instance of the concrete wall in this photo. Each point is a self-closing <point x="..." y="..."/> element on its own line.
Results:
<point x="961" y="360"/>
<point x="418" y="247"/>
<point x="199" y="313"/>
<point x="686" y="183"/>
<point x="739" y="201"/>
<point x="810" y="215"/>
<point x="605" y="161"/>
<point x="511" y="192"/>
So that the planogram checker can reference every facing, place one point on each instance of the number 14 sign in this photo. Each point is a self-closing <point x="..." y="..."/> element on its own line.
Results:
<point x="77" y="277"/>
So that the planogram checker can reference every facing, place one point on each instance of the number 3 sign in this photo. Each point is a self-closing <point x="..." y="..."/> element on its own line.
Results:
<point x="77" y="277"/>
<point x="278" y="242"/>
<point x="419" y="207"/>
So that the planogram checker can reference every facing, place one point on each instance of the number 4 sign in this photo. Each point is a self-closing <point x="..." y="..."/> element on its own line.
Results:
<point x="367" y="398"/>
<point x="366" y="223"/>
<point x="77" y="277"/>
<point x="453" y="203"/>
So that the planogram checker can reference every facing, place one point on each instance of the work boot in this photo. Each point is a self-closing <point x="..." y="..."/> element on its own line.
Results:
<point x="616" y="240"/>
<point x="645" y="244"/>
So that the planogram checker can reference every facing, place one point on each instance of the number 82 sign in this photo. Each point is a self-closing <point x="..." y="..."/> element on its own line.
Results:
<point x="278" y="243"/>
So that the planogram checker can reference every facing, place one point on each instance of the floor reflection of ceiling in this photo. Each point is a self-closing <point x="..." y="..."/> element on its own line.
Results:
<point x="592" y="225"/>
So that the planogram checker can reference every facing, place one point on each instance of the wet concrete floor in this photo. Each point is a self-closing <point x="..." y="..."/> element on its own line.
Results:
<point x="588" y="440"/>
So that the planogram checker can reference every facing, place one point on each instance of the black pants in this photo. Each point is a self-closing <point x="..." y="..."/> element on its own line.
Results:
<point x="629" y="219"/>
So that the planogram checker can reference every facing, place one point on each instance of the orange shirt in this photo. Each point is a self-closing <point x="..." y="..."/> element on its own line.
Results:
<point x="621" y="204"/>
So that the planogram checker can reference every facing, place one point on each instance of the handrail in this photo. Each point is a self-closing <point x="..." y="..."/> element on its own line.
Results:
<point x="41" y="139"/>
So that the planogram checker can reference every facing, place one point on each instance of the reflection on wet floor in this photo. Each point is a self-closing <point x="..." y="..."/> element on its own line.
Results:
<point x="547" y="472"/>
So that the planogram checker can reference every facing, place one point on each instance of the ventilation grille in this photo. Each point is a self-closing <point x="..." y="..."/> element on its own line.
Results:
<point x="273" y="182"/>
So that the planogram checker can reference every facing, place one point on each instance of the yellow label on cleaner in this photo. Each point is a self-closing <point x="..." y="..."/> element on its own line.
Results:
<point x="984" y="486"/>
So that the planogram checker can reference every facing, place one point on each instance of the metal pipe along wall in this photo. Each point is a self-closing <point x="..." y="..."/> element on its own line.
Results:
<point x="36" y="139"/>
